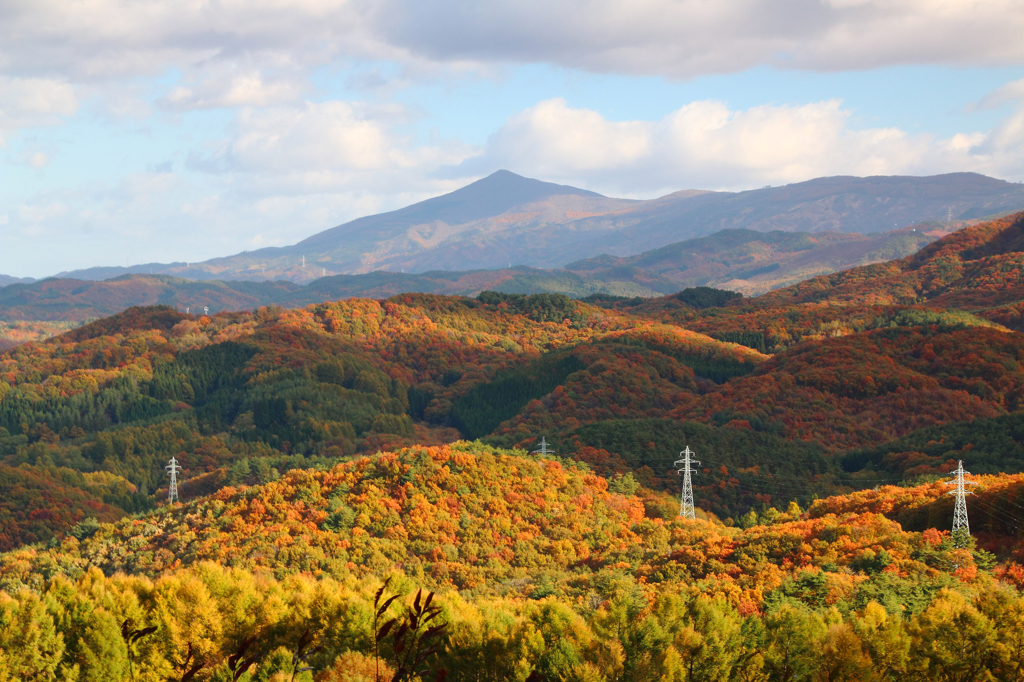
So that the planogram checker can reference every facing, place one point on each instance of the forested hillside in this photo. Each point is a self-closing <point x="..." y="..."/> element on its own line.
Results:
<point x="328" y="448"/>
<point x="755" y="262"/>
<point x="238" y="396"/>
<point x="542" y="571"/>
<point x="976" y="269"/>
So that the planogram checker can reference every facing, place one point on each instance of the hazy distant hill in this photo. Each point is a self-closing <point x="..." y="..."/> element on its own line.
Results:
<point x="77" y="300"/>
<point x="754" y="262"/>
<point x="7" y="279"/>
<point x="743" y="260"/>
<point x="505" y="219"/>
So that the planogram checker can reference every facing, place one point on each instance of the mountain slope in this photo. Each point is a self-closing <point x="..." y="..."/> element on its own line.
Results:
<point x="485" y="198"/>
<point x="979" y="269"/>
<point x="753" y="262"/>
<point x="506" y="219"/>
<point x="742" y="260"/>
<point x="537" y="568"/>
<point x="77" y="300"/>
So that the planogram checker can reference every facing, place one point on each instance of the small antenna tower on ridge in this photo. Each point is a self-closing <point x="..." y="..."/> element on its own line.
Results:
<point x="686" y="503"/>
<point x="172" y="489"/>
<point x="303" y="261"/>
<point x="543" y="449"/>
<point x="961" y="527"/>
<point x="949" y="215"/>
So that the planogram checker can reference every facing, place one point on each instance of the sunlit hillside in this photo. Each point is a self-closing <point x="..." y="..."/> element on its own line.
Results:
<point x="327" y="448"/>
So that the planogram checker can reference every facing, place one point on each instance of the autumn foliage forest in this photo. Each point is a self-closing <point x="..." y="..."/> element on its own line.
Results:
<point x="331" y="448"/>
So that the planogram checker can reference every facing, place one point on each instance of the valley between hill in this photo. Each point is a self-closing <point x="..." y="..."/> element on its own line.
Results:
<point x="330" y="447"/>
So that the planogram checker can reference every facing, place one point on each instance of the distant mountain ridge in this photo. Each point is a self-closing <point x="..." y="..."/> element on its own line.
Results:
<point x="77" y="300"/>
<point x="752" y="262"/>
<point x="7" y="279"/>
<point x="506" y="219"/>
<point x="743" y="260"/>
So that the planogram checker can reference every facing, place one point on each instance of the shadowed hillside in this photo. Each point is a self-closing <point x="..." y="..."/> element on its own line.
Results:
<point x="753" y="262"/>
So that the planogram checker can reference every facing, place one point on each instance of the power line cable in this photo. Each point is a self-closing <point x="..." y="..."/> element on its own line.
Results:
<point x="993" y="502"/>
<point x="1009" y="501"/>
<point x="806" y="485"/>
<point x="1005" y="516"/>
<point x="982" y="509"/>
<point x="801" y="478"/>
<point x="780" y="490"/>
<point x="994" y="513"/>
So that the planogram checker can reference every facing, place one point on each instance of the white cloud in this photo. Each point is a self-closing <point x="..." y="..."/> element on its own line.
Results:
<point x="34" y="103"/>
<point x="690" y="37"/>
<point x="327" y="145"/>
<point x="230" y="90"/>
<point x="333" y="135"/>
<point x="283" y="173"/>
<point x="37" y="97"/>
<point x="41" y="213"/>
<point x="553" y="132"/>
<point x="98" y="39"/>
<point x="1008" y="94"/>
<point x="706" y="145"/>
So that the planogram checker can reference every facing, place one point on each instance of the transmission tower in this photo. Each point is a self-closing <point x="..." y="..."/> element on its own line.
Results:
<point x="543" y="450"/>
<point x="686" y="503"/>
<point x="961" y="528"/>
<point x="172" y="489"/>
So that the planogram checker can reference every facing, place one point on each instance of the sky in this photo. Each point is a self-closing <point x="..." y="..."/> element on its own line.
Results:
<point x="134" y="131"/>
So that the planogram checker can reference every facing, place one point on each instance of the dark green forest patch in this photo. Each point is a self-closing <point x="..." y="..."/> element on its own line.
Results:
<point x="987" y="446"/>
<point x="480" y="411"/>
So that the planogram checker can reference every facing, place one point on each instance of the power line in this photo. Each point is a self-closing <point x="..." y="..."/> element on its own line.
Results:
<point x="1007" y="500"/>
<point x="1004" y="515"/>
<point x="1003" y="520"/>
<point x="738" y="472"/>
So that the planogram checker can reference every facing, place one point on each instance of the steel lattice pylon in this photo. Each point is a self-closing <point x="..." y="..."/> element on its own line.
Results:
<point x="686" y="509"/>
<point x="172" y="489"/>
<point x="961" y="526"/>
<point x="543" y="449"/>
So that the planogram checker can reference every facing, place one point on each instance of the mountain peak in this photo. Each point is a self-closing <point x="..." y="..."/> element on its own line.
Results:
<point x="490" y="196"/>
<point x="501" y="191"/>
